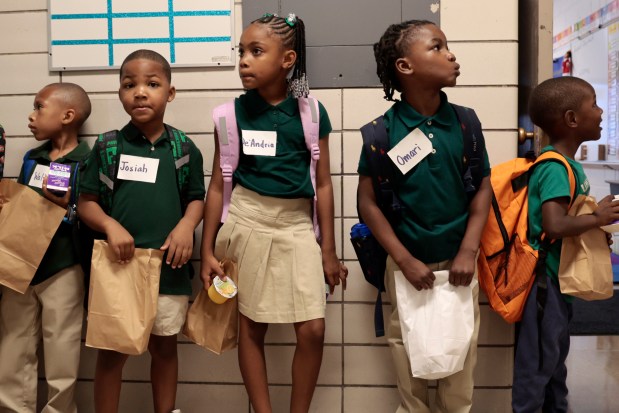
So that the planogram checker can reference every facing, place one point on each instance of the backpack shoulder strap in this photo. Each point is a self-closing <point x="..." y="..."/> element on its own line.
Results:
<point x="27" y="167"/>
<point x="474" y="146"/>
<point x="309" y="111"/>
<point x="106" y="146"/>
<point x="375" y="146"/>
<point x="224" y="118"/>
<point x="180" y="152"/>
<point x="557" y="157"/>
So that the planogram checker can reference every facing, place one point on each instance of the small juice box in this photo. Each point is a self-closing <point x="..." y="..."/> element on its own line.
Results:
<point x="59" y="177"/>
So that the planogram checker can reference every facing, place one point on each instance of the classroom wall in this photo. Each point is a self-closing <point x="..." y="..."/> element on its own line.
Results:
<point x="357" y="375"/>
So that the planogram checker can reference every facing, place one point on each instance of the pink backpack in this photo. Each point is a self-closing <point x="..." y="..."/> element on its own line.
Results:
<point x="224" y="117"/>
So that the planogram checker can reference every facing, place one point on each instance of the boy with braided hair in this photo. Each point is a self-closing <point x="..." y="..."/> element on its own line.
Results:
<point x="440" y="225"/>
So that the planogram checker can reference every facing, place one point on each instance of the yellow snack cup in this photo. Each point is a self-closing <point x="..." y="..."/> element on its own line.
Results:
<point x="220" y="291"/>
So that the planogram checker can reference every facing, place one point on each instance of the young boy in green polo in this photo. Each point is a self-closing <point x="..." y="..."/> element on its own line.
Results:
<point x="147" y="210"/>
<point x="51" y="309"/>
<point x="439" y="227"/>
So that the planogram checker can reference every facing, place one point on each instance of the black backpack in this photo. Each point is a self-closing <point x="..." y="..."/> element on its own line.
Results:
<point x="371" y="255"/>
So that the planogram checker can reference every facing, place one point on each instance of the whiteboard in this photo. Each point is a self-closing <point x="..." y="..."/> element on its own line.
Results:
<point x="99" y="34"/>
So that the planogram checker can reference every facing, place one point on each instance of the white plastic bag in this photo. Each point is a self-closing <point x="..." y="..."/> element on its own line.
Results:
<point x="437" y="325"/>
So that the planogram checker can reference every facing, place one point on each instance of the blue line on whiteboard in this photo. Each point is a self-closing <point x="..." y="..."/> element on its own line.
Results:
<point x="171" y="23"/>
<point x="214" y="39"/>
<point x="139" y="14"/>
<point x="110" y="34"/>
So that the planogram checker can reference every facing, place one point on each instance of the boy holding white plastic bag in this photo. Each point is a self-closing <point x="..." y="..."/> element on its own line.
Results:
<point x="439" y="229"/>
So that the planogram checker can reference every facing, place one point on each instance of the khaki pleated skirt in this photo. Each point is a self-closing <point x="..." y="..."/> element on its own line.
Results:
<point x="280" y="265"/>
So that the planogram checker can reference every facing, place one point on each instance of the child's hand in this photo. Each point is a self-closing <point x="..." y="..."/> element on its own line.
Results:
<point x="607" y="211"/>
<point x="462" y="268"/>
<point x="62" y="202"/>
<point x="335" y="271"/>
<point x="418" y="274"/>
<point x="121" y="242"/>
<point x="179" y="244"/>
<point x="209" y="268"/>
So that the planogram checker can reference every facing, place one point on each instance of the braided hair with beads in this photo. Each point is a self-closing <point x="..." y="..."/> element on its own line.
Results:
<point x="291" y="31"/>
<point x="392" y="46"/>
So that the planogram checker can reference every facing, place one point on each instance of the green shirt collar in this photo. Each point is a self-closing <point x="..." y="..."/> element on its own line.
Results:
<point x="255" y="104"/>
<point x="79" y="153"/>
<point x="412" y="119"/>
<point x="131" y="133"/>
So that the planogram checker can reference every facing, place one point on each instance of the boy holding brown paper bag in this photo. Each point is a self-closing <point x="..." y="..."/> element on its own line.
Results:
<point x="566" y="109"/>
<point x="155" y="200"/>
<point x="51" y="307"/>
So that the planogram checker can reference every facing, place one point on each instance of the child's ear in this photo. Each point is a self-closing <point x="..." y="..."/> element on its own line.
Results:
<point x="171" y="93"/>
<point x="570" y="119"/>
<point x="403" y="66"/>
<point x="68" y="116"/>
<point x="290" y="58"/>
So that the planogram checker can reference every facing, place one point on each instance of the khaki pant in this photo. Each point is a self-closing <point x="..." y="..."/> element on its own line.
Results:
<point x="53" y="311"/>
<point x="455" y="392"/>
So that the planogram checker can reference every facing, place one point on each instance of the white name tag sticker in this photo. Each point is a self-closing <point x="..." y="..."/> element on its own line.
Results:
<point x="410" y="151"/>
<point x="258" y="142"/>
<point x="136" y="168"/>
<point x="40" y="172"/>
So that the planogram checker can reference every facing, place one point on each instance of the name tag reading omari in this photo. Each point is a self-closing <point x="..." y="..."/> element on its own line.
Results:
<point x="410" y="151"/>
<point x="40" y="172"/>
<point x="136" y="168"/>
<point x="258" y="142"/>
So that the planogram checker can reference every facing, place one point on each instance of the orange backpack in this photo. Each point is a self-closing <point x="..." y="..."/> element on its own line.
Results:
<point x="507" y="262"/>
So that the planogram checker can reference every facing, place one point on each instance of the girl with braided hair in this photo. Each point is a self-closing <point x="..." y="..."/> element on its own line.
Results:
<point x="442" y="219"/>
<point x="268" y="230"/>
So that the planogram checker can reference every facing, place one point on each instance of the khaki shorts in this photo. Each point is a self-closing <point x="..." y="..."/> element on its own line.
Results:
<point x="171" y="313"/>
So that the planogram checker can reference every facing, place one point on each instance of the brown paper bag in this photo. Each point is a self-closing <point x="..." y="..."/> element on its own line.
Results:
<point x="585" y="270"/>
<point x="28" y="223"/>
<point x="122" y="301"/>
<point x="214" y="326"/>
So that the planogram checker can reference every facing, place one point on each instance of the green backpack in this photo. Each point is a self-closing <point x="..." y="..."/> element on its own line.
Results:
<point x="107" y="148"/>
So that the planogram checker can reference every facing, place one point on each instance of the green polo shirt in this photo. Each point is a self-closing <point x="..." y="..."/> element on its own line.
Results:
<point x="150" y="211"/>
<point x="287" y="174"/>
<point x="436" y="206"/>
<point x="61" y="253"/>
<point x="549" y="181"/>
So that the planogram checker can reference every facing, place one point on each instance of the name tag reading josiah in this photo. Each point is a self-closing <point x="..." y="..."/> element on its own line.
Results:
<point x="137" y="168"/>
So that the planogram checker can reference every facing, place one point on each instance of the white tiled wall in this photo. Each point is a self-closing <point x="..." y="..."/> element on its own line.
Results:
<point x="356" y="375"/>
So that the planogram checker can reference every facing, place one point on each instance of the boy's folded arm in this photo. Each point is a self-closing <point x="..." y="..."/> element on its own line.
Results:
<point x="463" y="267"/>
<point x="119" y="239"/>
<point x="415" y="271"/>
<point x="558" y="224"/>
<point x="61" y="201"/>
<point x="478" y="216"/>
<point x="179" y="242"/>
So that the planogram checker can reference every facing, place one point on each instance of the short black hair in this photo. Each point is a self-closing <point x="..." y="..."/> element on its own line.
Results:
<point x="553" y="97"/>
<point x="75" y="97"/>
<point x="149" y="55"/>
<point x="392" y="46"/>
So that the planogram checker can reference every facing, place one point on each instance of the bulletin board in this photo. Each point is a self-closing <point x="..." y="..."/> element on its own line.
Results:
<point x="99" y="34"/>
